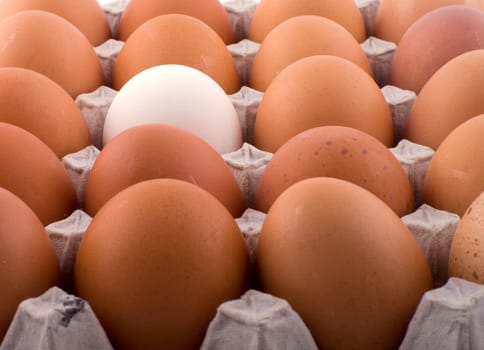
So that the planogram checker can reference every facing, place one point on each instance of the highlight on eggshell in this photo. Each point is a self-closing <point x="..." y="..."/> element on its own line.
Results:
<point x="179" y="96"/>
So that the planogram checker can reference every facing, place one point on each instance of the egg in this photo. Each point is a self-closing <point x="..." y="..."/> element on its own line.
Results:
<point x="269" y="13"/>
<point x="433" y="40"/>
<point x="28" y="263"/>
<point x="156" y="262"/>
<point x="340" y="152"/>
<point x="466" y="259"/>
<point x="32" y="171"/>
<point x="209" y="11"/>
<point x="176" y="39"/>
<point x="394" y="17"/>
<point x="344" y="261"/>
<point x="156" y="151"/>
<point x="50" y="45"/>
<point x="455" y="176"/>
<point x="299" y="37"/>
<point x="316" y="91"/>
<point x="86" y="15"/>
<point x="37" y="104"/>
<point x="180" y="96"/>
<point x="452" y="96"/>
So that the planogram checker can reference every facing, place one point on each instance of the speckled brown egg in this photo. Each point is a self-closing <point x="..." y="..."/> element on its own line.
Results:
<point x="176" y="39"/>
<point x="160" y="151"/>
<point x="344" y="261"/>
<point x="32" y="171"/>
<point x="211" y="12"/>
<point x="455" y="176"/>
<point x="51" y="45"/>
<point x="156" y="262"/>
<point x="28" y="263"/>
<point x="432" y="41"/>
<point x="340" y="152"/>
<point x="317" y="91"/>
<point x="269" y="13"/>
<point x="37" y="104"/>
<point x="299" y="37"/>
<point x="86" y="15"/>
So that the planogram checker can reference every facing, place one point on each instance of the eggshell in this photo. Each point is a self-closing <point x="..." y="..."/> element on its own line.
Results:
<point x="32" y="171"/>
<point x="317" y="91"/>
<point x="394" y="17"/>
<point x="299" y="37"/>
<point x="340" y="152"/>
<point x="269" y="13"/>
<point x="156" y="151"/>
<point x="466" y="258"/>
<point x="209" y="11"/>
<point x="180" y="96"/>
<point x="86" y="15"/>
<point x="156" y="262"/>
<point x="433" y="40"/>
<point x="49" y="44"/>
<point x="176" y="39"/>
<point x="449" y="98"/>
<point x="37" y="104"/>
<point x="28" y="264"/>
<point x="455" y="176"/>
<point x="344" y="261"/>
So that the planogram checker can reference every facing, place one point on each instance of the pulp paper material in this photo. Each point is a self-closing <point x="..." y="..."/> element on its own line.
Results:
<point x="113" y="10"/>
<point x="66" y="235"/>
<point x="246" y="102"/>
<point x="107" y="53"/>
<point x="243" y="54"/>
<point x="250" y="225"/>
<point x="400" y="102"/>
<point x="247" y="165"/>
<point x="380" y="55"/>
<point x="241" y="13"/>
<point x="415" y="160"/>
<point x="448" y="318"/>
<point x="368" y="9"/>
<point x="55" y="321"/>
<point x="257" y="321"/>
<point x="434" y="230"/>
<point x="78" y="165"/>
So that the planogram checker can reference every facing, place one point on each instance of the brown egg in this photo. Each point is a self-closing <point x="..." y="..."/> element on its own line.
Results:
<point x="317" y="91"/>
<point x="394" y="17"/>
<point x="466" y="259"/>
<point x="156" y="262"/>
<point x="344" y="261"/>
<point x="28" y="263"/>
<point x="341" y="152"/>
<point x="269" y="13"/>
<point x="176" y="39"/>
<point x="27" y="41"/>
<point x="32" y="171"/>
<point x="156" y="151"/>
<point x="211" y="12"/>
<point x="37" y="104"/>
<point x="86" y="15"/>
<point x="455" y="176"/>
<point x="433" y="40"/>
<point x="449" y="98"/>
<point x="299" y="37"/>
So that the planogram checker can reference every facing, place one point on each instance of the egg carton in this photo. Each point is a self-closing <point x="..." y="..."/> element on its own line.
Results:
<point x="58" y="320"/>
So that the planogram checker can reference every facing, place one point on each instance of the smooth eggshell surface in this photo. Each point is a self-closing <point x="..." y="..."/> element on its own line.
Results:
<point x="211" y="12"/>
<point x="28" y="263"/>
<point x="344" y="261"/>
<point x="340" y="152"/>
<point x="49" y="44"/>
<point x="317" y="91"/>
<point x="180" y="96"/>
<point x="299" y="37"/>
<point x="37" y="104"/>
<point x="156" y="262"/>
<point x="455" y="176"/>
<point x="157" y="151"/>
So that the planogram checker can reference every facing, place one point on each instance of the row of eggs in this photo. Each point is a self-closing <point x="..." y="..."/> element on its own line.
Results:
<point x="284" y="267"/>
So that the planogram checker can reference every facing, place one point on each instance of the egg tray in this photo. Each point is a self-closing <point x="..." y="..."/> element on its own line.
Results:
<point x="58" y="320"/>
